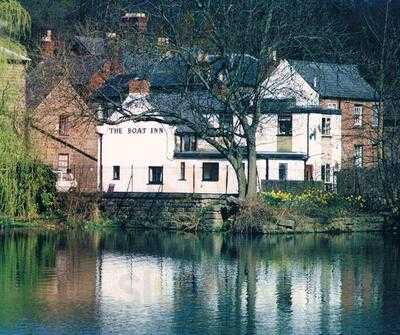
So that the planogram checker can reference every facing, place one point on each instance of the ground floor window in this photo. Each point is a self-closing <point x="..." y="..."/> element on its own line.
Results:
<point x="358" y="155"/>
<point x="63" y="162"/>
<point x="155" y="174"/>
<point x="183" y="171"/>
<point x="116" y="172"/>
<point x="283" y="171"/>
<point x="210" y="171"/>
<point x="326" y="173"/>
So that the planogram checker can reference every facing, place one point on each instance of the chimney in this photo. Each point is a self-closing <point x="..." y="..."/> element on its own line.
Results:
<point x="47" y="45"/>
<point x="135" y="20"/>
<point x="139" y="86"/>
<point x="162" y="42"/>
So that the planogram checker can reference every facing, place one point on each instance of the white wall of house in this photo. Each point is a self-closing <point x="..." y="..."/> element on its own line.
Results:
<point x="135" y="147"/>
<point x="285" y="82"/>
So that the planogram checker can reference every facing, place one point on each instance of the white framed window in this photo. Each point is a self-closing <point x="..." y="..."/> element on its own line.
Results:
<point x="375" y="117"/>
<point x="332" y="105"/>
<point x="358" y="155"/>
<point x="326" y="173"/>
<point x="357" y="115"/>
<point x="186" y="143"/>
<point x="63" y="162"/>
<point x="155" y="175"/>
<point x="326" y="126"/>
<point x="285" y="124"/>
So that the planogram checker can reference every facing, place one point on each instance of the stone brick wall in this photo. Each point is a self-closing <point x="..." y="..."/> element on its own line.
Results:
<point x="81" y="134"/>
<point x="164" y="210"/>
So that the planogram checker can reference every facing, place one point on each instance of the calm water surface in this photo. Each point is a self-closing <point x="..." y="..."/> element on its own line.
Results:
<point x="168" y="283"/>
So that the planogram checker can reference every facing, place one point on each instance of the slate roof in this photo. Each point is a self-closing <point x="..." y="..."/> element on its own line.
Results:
<point x="335" y="80"/>
<point x="13" y="56"/>
<point x="95" y="46"/>
<point x="41" y="81"/>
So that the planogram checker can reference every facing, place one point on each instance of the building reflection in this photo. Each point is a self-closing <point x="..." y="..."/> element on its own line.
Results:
<point x="201" y="284"/>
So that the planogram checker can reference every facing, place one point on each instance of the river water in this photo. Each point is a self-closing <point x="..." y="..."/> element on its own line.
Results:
<point x="174" y="283"/>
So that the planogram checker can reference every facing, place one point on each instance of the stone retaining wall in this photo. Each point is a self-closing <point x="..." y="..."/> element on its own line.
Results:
<point x="165" y="210"/>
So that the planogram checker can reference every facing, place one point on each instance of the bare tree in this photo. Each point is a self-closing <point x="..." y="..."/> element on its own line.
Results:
<point x="221" y="54"/>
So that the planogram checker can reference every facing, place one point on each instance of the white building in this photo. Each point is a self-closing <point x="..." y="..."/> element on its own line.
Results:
<point x="301" y="143"/>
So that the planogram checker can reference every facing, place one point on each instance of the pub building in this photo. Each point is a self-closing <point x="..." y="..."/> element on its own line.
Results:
<point x="301" y="142"/>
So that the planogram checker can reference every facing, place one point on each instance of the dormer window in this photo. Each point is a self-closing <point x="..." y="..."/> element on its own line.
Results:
<point x="185" y="143"/>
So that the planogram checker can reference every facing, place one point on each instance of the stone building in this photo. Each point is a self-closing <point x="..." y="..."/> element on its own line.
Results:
<point x="63" y="133"/>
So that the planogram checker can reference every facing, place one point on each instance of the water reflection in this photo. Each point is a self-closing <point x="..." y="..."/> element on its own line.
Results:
<point x="167" y="283"/>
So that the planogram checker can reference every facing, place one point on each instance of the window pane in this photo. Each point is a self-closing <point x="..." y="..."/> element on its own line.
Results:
<point x="210" y="171"/>
<point x="155" y="175"/>
<point x="63" y="162"/>
<point x="283" y="171"/>
<point x="285" y="124"/>
<point x="183" y="170"/>
<point x="116" y="172"/>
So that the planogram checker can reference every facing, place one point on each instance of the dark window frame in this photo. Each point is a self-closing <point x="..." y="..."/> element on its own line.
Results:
<point x="286" y="170"/>
<point x="159" y="182"/>
<point x="326" y="123"/>
<point x="182" y="171"/>
<point x="116" y="172"/>
<point x="186" y="143"/>
<point x="212" y="178"/>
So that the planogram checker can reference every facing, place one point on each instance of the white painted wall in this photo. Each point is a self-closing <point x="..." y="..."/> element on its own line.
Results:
<point x="285" y="82"/>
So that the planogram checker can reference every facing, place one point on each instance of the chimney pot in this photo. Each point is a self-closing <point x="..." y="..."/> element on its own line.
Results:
<point x="139" y="20"/>
<point x="47" y="45"/>
<point x="139" y="86"/>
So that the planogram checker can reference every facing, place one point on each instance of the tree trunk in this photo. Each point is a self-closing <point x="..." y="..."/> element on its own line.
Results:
<point x="251" y="191"/>
<point x="242" y="181"/>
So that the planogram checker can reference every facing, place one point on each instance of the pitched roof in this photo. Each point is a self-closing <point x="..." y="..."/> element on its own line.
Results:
<point x="13" y="56"/>
<point x="41" y="81"/>
<point x="332" y="80"/>
<point x="95" y="46"/>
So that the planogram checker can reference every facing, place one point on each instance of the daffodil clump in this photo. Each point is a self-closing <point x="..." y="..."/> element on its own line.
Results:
<point x="314" y="202"/>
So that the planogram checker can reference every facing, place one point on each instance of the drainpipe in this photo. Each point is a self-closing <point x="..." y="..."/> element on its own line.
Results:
<point x="308" y="145"/>
<point x="101" y="161"/>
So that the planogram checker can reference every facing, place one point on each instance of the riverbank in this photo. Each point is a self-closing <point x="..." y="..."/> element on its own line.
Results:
<point x="271" y="213"/>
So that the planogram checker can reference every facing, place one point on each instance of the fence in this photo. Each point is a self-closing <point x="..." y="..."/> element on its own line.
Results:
<point x="292" y="186"/>
<point x="371" y="184"/>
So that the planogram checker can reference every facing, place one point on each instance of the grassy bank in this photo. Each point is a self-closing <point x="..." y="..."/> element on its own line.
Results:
<point x="309" y="211"/>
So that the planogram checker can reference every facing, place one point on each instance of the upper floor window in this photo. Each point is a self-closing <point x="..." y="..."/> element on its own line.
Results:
<point x="186" y="143"/>
<point x="326" y="126"/>
<point x="357" y="115"/>
<point x="285" y="124"/>
<point x="332" y="105"/>
<point x="63" y="125"/>
<point x="283" y="171"/>
<point x="375" y="117"/>
<point x="358" y="155"/>
<point x="155" y="175"/>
